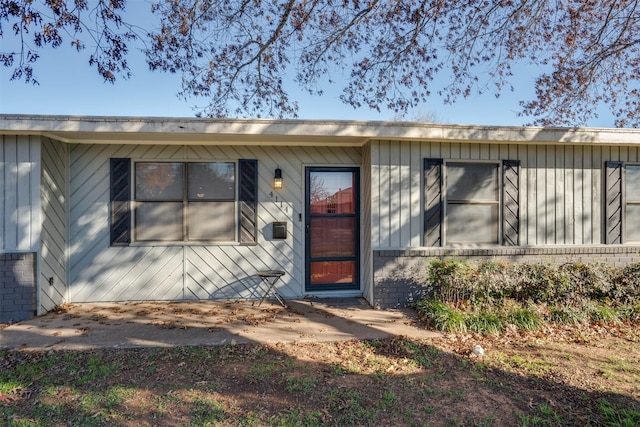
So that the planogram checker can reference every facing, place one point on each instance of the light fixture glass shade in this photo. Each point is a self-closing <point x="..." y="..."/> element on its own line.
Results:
<point x="277" y="179"/>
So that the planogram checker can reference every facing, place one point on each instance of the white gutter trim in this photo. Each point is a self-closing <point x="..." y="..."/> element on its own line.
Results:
<point x="90" y="129"/>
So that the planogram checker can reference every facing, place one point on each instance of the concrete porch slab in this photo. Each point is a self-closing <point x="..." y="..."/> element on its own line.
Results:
<point x="208" y="323"/>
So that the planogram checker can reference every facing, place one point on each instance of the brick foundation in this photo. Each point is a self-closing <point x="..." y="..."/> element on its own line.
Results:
<point x="17" y="287"/>
<point x="399" y="276"/>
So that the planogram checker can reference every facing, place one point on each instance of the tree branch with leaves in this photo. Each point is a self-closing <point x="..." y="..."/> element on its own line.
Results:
<point x="243" y="57"/>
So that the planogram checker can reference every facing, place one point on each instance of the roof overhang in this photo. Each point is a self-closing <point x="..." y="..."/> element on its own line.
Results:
<point x="160" y="130"/>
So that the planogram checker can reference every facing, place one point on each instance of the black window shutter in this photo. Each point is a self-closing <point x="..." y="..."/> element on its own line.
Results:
<point x="614" y="204"/>
<point x="510" y="202"/>
<point x="120" y="194"/>
<point x="248" y="199"/>
<point x="433" y="202"/>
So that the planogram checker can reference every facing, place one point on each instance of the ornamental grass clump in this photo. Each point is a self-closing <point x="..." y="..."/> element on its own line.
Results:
<point x="603" y="314"/>
<point x="630" y="312"/>
<point x="488" y="322"/>
<point x="567" y="315"/>
<point x="525" y="318"/>
<point x="441" y="316"/>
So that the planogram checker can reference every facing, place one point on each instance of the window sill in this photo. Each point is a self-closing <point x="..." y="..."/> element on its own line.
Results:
<point x="189" y="244"/>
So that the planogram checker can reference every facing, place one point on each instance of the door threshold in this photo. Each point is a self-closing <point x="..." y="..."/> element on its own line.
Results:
<point x="334" y="294"/>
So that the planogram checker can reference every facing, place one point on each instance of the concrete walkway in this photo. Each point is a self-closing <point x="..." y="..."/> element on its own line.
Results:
<point x="207" y="323"/>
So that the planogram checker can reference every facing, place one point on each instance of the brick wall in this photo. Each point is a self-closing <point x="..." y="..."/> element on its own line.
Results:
<point x="399" y="276"/>
<point x="17" y="287"/>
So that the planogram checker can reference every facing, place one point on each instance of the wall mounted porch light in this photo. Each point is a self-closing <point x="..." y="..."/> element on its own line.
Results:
<point x="277" y="179"/>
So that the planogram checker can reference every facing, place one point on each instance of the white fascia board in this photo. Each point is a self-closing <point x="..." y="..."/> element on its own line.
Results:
<point x="161" y="130"/>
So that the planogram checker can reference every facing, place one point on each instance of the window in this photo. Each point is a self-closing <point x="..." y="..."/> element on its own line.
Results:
<point x="632" y="211"/>
<point x="185" y="202"/>
<point x="622" y="199"/>
<point x="471" y="203"/>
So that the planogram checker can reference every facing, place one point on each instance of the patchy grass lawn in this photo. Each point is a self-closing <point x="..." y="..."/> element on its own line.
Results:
<point x="554" y="376"/>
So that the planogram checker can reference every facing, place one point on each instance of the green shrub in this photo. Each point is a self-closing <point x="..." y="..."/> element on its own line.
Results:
<point x="626" y="285"/>
<point x="451" y="280"/>
<point x="491" y="283"/>
<point x="590" y="281"/>
<point x="539" y="283"/>
<point x="487" y="296"/>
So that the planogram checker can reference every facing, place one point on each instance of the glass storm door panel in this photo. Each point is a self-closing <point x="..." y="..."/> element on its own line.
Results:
<point x="332" y="229"/>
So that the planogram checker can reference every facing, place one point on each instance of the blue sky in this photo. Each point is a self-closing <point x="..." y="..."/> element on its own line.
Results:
<point x="68" y="86"/>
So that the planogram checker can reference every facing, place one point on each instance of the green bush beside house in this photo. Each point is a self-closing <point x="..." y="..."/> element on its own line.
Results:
<point x="487" y="297"/>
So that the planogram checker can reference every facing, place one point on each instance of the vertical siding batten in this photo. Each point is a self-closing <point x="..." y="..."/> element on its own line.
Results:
<point x="531" y="217"/>
<point x="3" y="193"/>
<point x="375" y="195"/>
<point x="588" y="196"/>
<point x="366" y="261"/>
<point x="550" y="196"/>
<point x="542" y="204"/>
<point x="10" y="193"/>
<point x="35" y="166"/>
<point x="385" y="187"/>
<point x="598" y="206"/>
<point x="579" y="194"/>
<point x="569" y="202"/>
<point x="559" y="196"/>
<point x="416" y="200"/>
<point x="395" y="195"/>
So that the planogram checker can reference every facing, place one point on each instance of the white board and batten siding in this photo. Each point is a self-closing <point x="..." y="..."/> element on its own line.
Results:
<point x="98" y="272"/>
<point x="561" y="198"/>
<point x="19" y="193"/>
<point x="53" y="248"/>
<point x="366" y="263"/>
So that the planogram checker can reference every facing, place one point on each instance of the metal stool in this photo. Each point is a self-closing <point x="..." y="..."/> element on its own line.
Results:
<point x="270" y="278"/>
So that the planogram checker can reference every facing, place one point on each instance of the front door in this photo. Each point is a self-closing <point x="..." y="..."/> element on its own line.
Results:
<point x="332" y="229"/>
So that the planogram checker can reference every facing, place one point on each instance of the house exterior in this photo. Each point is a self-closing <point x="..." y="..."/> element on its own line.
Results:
<point x="122" y="209"/>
